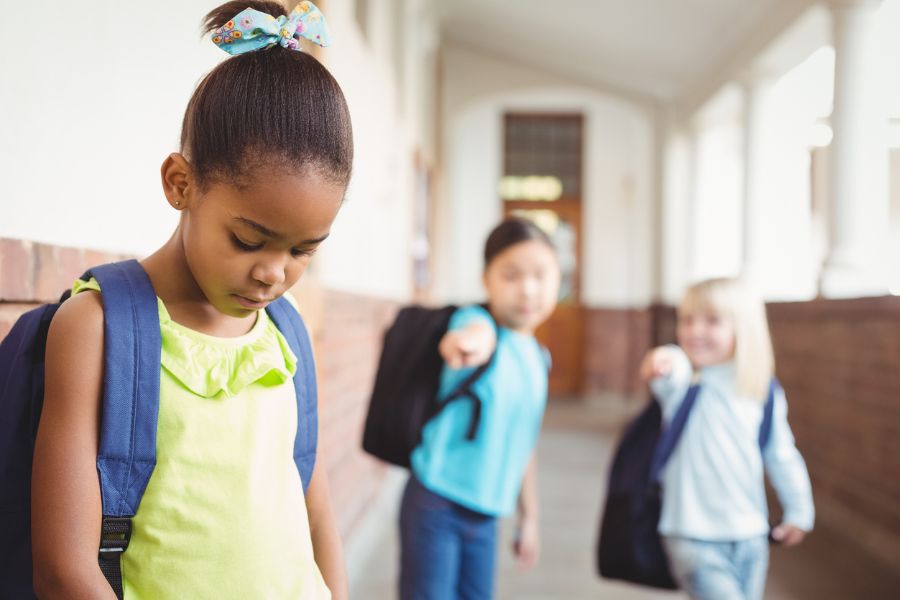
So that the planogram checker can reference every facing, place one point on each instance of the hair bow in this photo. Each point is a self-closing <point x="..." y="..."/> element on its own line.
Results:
<point x="253" y="30"/>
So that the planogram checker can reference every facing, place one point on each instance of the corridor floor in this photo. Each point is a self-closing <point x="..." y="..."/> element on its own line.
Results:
<point x="574" y="451"/>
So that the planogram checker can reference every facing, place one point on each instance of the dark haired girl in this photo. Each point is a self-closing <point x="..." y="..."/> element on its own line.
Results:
<point x="266" y="153"/>
<point x="459" y="487"/>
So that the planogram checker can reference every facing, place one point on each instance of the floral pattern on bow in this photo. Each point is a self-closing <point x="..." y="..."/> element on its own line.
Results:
<point x="251" y="30"/>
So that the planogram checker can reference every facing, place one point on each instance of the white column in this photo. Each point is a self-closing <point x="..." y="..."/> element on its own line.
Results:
<point x="757" y="89"/>
<point x="859" y="201"/>
<point x="692" y="206"/>
<point x="674" y="217"/>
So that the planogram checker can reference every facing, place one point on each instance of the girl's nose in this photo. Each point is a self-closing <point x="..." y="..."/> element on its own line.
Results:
<point x="530" y="287"/>
<point x="269" y="272"/>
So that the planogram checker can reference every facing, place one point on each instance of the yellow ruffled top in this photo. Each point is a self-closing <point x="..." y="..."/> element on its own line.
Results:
<point x="223" y="515"/>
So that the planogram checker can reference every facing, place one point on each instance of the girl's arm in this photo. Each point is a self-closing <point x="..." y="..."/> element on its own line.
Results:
<point x="470" y="346"/>
<point x="527" y="544"/>
<point x="66" y="507"/>
<point x="326" y="540"/>
<point x="787" y="472"/>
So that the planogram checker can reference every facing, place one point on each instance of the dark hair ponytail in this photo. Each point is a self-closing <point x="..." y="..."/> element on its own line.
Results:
<point x="510" y="232"/>
<point x="273" y="107"/>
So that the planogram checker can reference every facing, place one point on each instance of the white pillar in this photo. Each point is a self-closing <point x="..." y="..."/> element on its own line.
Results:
<point x="692" y="206"/>
<point x="859" y="201"/>
<point x="675" y="217"/>
<point x="757" y="88"/>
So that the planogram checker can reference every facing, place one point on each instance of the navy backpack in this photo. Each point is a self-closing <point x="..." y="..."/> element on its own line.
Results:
<point x="629" y="547"/>
<point x="405" y="394"/>
<point x="130" y="406"/>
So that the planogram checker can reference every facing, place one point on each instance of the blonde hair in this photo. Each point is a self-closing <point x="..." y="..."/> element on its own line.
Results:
<point x="753" y="356"/>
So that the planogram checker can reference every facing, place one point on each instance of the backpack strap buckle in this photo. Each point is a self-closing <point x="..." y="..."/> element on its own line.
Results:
<point x="114" y="536"/>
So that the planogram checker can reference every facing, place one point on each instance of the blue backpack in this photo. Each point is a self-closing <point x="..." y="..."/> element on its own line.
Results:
<point x="130" y="406"/>
<point x="629" y="547"/>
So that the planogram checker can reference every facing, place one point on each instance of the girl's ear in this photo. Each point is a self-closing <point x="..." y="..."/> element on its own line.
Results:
<point x="177" y="181"/>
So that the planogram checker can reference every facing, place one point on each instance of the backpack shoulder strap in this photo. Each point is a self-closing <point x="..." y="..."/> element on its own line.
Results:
<point x="765" y="428"/>
<point x="464" y="389"/>
<point x="669" y="436"/>
<point x="132" y="355"/>
<point x="131" y="365"/>
<point x="290" y="324"/>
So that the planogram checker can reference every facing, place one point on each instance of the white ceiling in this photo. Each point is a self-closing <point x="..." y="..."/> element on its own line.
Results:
<point x="670" y="50"/>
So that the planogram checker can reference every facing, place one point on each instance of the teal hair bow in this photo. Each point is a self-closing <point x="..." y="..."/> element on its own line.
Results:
<point x="252" y="30"/>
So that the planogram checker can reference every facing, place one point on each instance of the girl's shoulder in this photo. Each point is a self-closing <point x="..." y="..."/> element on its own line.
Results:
<point x="74" y="355"/>
<point x="467" y="314"/>
<point x="80" y="317"/>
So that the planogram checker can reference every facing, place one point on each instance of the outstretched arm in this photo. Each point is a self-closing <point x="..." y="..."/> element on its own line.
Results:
<point x="470" y="346"/>
<point x="66" y="506"/>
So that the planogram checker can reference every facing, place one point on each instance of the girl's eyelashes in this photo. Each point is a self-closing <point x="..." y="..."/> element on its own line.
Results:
<point x="244" y="246"/>
<point x="302" y="252"/>
<point x="247" y="247"/>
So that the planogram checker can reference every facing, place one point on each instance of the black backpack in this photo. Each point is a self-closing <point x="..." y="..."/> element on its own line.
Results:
<point x="405" y="395"/>
<point x="629" y="547"/>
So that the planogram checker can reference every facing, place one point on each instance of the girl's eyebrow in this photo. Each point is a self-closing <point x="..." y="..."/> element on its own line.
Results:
<point x="260" y="228"/>
<point x="274" y="234"/>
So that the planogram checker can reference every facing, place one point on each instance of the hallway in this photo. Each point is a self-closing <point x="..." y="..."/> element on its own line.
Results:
<point x="575" y="448"/>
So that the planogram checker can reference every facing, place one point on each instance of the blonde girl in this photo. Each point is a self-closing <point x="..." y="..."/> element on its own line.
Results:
<point x="714" y="522"/>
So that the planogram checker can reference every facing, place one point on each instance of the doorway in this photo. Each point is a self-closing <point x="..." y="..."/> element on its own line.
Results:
<point x="542" y="182"/>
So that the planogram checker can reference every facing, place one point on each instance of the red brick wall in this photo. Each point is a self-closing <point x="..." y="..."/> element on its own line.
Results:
<point x="33" y="273"/>
<point x="615" y="342"/>
<point x="839" y="361"/>
<point x="348" y="344"/>
<point x="346" y="332"/>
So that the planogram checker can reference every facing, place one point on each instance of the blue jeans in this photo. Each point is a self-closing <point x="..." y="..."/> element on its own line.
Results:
<point x="719" y="570"/>
<point x="447" y="552"/>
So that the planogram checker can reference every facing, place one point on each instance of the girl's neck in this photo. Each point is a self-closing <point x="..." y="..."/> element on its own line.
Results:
<point x="186" y="303"/>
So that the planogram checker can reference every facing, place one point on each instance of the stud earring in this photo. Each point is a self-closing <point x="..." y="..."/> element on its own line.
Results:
<point x="178" y="203"/>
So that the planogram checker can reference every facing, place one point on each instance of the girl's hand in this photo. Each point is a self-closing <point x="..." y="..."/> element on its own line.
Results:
<point x="527" y="545"/>
<point x="468" y="347"/>
<point x="788" y="535"/>
<point x="657" y="363"/>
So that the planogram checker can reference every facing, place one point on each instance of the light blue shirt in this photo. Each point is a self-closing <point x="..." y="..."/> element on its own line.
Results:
<point x="485" y="474"/>
<point x="713" y="485"/>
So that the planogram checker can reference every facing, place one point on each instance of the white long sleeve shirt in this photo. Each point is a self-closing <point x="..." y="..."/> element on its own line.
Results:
<point x="713" y="485"/>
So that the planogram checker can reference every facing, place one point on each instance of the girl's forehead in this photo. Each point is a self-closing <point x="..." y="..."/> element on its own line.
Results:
<point x="529" y="251"/>
<point x="695" y="304"/>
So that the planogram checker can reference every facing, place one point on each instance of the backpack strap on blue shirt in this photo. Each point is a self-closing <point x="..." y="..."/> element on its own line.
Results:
<point x="290" y="324"/>
<point x="464" y="389"/>
<point x="670" y="435"/>
<point x="131" y="366"/>
<point x="765" y="428"/>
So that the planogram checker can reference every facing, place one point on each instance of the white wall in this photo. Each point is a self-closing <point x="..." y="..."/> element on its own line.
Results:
<point x="618" y="176"/>
<point x="91" y="109"/>
<point x="91" y="113"/>
<point x="371" y="244"/>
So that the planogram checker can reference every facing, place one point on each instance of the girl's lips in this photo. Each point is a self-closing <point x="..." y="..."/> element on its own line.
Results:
<point x="248" y="303"/>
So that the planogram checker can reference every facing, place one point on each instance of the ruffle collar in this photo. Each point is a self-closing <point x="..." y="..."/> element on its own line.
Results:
<point x="209" y="365"/>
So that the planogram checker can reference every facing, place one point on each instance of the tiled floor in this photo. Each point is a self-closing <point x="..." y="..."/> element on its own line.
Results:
<point x="574" y="451"/>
